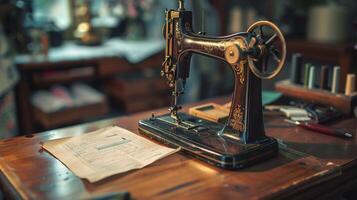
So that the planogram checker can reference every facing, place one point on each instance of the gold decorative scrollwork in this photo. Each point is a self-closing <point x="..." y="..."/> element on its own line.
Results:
<point x="222" y="45"/>
<point x="237" y="119"/>
<point x="239" y="70"/>
<point x="178" y="32"/>
<point x="208" y="48"/>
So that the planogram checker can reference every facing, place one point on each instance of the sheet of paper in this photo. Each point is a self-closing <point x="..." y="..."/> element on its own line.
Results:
<point x="105" y="152"/>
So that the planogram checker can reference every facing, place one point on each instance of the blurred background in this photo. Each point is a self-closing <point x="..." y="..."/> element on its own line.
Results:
<point x="64" y="62"/>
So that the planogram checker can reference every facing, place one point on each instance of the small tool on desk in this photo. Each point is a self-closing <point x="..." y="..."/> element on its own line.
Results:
<point x="321" y="129"/>
<point x="303" y="111"/>
<point x="291" y="112"/>
<point x="322" y="114"/>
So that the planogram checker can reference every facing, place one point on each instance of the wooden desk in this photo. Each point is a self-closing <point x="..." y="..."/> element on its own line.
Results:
<point x="308" y="165"/>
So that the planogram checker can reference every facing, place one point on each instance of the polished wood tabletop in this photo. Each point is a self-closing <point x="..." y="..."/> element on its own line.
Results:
<point x="309" y="165"/>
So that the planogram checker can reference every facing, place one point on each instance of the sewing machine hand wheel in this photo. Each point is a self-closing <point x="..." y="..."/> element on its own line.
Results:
<point x="270" y="43"/>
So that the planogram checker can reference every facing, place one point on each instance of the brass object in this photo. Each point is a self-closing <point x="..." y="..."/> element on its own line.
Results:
<point x="263" y="50"/>
<point x="232" y="54"/>
<point x="241" y="139"/>
<point x="237" y="119"/>
<point x="239" y="70"/>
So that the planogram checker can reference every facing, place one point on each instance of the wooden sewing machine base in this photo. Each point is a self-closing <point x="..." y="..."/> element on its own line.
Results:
<point x="200" y="138"/>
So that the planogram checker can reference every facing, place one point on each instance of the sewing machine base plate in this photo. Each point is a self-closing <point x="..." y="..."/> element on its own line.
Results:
<point x="199" y="138"/>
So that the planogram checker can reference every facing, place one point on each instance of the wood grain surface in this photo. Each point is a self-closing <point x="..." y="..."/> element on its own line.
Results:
<point x="309" y="165"/>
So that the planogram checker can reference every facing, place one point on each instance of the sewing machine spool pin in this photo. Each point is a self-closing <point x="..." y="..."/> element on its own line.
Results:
<point x="241" y="141"/>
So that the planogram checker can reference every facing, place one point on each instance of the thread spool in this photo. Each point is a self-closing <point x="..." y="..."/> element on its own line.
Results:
<point x="306" y="74"/>
<point x="324" y="77"/>
<point x="296" y="68"/>
<point x="335" y="79"/>
<point x="312" y="75"/>
<point x="350" y="84"/>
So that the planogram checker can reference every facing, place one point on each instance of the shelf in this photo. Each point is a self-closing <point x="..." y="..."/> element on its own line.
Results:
<point x="48" y="78"/>
<point x="70" y="115"/>
<point x="341" y="54"/>
<point x="345" y="103"/>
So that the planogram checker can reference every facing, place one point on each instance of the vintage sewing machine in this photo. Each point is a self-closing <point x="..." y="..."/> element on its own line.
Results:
<point x="241" y="141"/>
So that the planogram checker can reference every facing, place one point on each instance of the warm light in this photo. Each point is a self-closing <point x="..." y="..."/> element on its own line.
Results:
<point x="204" y="168"/>
<point x="83" y="27"/>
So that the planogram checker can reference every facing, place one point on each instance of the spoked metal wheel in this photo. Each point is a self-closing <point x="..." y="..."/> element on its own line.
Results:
<point x="272" y="49"/>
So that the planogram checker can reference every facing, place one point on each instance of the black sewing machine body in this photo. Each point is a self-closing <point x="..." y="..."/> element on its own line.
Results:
<point x="199" y="138"/>
<point x="239" y="142"/>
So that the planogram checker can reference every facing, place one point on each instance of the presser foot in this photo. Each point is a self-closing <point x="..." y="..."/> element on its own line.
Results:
<point x="204" y="140"/>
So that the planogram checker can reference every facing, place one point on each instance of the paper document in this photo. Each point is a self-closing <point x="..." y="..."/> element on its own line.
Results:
<point x="105" y="152"/>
